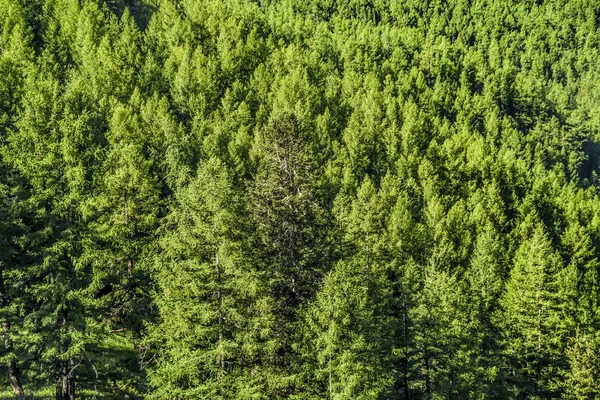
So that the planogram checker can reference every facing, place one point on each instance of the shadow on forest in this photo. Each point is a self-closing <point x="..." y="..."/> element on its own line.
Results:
<point x="110" y="377"/>
<point x="589" y="170"/>
<point x="139" y="10"/>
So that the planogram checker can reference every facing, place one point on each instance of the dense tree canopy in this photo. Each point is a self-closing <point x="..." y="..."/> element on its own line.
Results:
<point x="280" y="199"/>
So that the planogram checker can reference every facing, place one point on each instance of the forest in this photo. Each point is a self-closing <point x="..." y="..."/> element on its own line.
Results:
<point x="316" y="199"/>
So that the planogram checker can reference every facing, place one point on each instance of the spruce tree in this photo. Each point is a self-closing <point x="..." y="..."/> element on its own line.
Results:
<point x="15" y="57"/>
<point x="53" y="327"/>
<point x="122" y="215"/>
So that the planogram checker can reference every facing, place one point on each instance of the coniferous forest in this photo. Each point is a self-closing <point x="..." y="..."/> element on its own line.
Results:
<point x="316" y="199"/>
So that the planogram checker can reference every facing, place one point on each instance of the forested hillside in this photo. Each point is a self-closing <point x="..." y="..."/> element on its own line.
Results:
<point x="315" y="199"/>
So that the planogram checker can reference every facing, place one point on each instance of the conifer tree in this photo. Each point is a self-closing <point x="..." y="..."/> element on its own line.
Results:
<point x="9" y="250"/>
<point x="485" y="279"/>
<point x="406" y="239"/>
<point x="288" y="221"/>
<point x="584" y="371"/>
<point x="350" y="319"/>
<point x="15" y="56"/>
<point x="212" y="308"/>
<point x="531" y="323"/>
<point x="283" y="199"/>
<point x="53" y="330"/>
<point x="122" y="216"/>
<point x="443" y="345"/>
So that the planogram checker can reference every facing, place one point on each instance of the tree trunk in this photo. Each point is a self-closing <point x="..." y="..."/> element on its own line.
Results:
<point x="59" y="390"/>
<point x="71" y="378"/>
<point x="427" y="378"/>
<point x="13" y="371"/>
<point x="62" y="383"/>
<point x="65" y="388"/>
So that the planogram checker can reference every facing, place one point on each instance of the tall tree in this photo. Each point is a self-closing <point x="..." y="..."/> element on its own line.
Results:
<point x="289" y="220"/>
<point x="15" y="57"/>
<point x="350" y="318"/>
<point x="531" y="324"/>
<point x="213" y="311"/>
<point x="122" y="216"/>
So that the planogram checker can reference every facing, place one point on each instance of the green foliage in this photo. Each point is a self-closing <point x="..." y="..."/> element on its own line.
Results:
<point x="215" y="320"/>
<point x="582" y="379"/>
<point x="531" y="313"/>
<point x="281" y="199"/>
